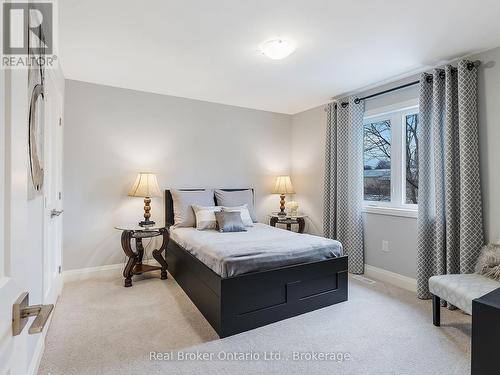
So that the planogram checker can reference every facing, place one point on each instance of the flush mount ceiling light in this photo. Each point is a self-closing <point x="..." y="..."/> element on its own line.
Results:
<point x="277" y="49"/>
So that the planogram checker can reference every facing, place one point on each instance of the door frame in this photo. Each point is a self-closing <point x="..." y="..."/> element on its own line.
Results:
<point x="52" y="194"/>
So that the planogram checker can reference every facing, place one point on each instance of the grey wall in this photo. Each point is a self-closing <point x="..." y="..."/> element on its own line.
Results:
<point x="308" y="132"/>
<point x="401" y="233"/>
<point x="308" y="165"/>
<point x="111" y="134"/>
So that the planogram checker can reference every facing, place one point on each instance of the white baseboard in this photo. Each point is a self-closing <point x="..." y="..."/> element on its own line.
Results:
<point x="393" y="278"/>
<point x="89" y="272"/>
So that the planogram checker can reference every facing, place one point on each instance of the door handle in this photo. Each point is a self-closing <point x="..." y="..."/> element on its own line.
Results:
<point x="55" y="213"/>
<point x="21" y="311"/>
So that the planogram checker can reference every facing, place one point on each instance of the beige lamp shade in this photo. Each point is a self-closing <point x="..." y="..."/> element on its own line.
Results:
<point x="145" y="185"/>
<point x="283" y="185"/>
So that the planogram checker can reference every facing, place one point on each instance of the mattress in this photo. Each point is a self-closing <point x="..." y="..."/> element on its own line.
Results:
<point x="260" y="248"/>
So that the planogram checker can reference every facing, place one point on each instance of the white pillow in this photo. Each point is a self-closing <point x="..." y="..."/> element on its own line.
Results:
<point x="236" y="198"/>
<point x="245" y="214"/>
<point x="205" y="216"/>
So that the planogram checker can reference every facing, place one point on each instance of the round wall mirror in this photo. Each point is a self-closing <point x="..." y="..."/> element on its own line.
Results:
<point x="36" y="125"/>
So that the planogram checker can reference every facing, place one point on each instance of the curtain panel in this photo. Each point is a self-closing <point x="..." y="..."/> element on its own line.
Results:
<point x="343" y="196"/>
<point x="450" y="220"/>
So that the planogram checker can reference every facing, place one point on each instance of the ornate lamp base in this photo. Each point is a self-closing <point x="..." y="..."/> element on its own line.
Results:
<point x="282" y="212"/>
<point x="147" y="208"/>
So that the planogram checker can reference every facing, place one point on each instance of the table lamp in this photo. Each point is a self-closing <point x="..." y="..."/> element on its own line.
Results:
<point x="283" y="186"/>
<point x="146" y="186"/>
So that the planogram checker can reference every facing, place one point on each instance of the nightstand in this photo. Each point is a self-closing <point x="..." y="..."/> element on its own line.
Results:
<point x="134" y="264"/>
<point x="288" y="220"/>
<point x="485" y="331"/>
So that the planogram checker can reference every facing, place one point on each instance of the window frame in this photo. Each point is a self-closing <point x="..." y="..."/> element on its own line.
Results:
<point x="396" y="113"/>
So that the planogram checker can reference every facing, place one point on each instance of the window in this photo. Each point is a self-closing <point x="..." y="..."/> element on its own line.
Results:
<point x="391" y="159"/>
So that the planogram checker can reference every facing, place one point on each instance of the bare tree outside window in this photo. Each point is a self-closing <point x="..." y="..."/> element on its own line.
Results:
<point x="411" y="158"/>
<point x="377" y="161"/>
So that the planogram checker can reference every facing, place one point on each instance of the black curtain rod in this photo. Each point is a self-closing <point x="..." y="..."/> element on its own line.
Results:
<point x="470" y="66"/>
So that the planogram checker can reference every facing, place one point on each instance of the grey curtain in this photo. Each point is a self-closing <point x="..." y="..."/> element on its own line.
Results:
<point x="450" y="221"/>
<point x="343" y="197"/>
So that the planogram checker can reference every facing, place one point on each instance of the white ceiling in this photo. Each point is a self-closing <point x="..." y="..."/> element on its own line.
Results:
<point x="208" y="49"/>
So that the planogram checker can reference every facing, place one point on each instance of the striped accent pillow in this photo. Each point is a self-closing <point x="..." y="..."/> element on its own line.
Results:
<point x="205" y="216"/>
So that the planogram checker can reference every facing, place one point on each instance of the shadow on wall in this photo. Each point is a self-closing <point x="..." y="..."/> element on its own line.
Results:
<point x="314" y="222"/>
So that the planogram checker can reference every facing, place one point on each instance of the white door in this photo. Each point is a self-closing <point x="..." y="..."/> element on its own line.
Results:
<point x="20" y="253"/>
<point x="29" y="241"/>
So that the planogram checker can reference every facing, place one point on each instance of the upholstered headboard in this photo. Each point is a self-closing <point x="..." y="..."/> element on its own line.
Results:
<point x="169" y="204"/>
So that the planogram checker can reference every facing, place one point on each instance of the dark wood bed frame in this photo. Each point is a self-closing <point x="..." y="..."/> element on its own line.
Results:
<point x="243" y="302"/>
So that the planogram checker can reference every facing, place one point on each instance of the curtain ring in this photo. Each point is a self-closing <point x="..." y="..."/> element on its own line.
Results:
<point x="473" y="64"/>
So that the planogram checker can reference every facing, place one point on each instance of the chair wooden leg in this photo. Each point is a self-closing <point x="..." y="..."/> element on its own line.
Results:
<point x="436" y="310"/>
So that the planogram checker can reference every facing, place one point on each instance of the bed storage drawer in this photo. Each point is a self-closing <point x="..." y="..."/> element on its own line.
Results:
<point x="316" y="286"/>
<point x="256" y="299"/>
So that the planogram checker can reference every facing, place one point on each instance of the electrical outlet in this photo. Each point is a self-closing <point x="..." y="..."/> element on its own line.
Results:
<point x="385" y="246"/>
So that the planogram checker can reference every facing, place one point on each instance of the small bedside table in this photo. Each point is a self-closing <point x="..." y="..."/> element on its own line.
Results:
<point x="288" y="220"/>
<point x="485" y="331"/>
<point x="134" y="264"/>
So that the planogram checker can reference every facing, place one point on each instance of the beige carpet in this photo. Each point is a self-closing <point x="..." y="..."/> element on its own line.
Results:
<point x="100" y="327"/>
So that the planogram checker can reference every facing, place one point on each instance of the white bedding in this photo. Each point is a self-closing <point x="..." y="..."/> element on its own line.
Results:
<point x="260" y="248"/>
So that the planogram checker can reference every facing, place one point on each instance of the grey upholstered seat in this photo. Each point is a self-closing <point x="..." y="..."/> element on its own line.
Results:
<point x="460" y="290"/>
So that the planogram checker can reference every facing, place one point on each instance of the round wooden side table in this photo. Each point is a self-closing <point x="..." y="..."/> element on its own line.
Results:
<point x="288" y="220"/>
<point x="134" y="264"/>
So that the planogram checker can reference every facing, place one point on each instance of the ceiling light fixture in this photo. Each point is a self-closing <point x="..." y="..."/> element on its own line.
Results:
<point x="277" y="49"/>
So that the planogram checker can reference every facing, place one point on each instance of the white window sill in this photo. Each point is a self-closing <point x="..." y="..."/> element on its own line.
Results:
<point x="391" y="211"/>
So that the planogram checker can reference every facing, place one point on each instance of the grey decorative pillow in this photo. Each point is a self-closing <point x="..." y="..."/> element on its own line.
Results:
<point x="183" y="201"/>
<point x="488" y="263"/>
<point x="229" y="222"/>
<point x="243" y="210"/>
<point x="236" y="198"/>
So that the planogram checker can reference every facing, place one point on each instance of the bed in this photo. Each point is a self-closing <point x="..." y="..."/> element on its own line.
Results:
<point x="241" y="281"/>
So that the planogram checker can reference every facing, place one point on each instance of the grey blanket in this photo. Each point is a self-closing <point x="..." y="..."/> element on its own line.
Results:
<point x="261" y="248"/>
